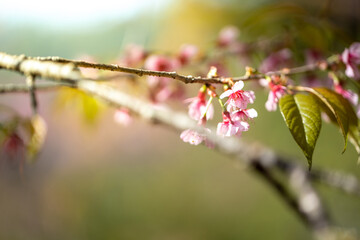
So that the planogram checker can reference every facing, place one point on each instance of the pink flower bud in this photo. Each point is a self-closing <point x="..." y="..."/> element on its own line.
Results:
<point x="134" y="55"/>
<point x="227" y="36"/>
<point x="276" y="92"/>
<point x="122" y="116"/>
<point x="276" y="61"/>
<point x="348" y="94"/>
<point x="187" y="52"/>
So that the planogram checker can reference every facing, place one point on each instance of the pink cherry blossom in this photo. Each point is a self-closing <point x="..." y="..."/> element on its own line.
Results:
<point x="134" y="54"/>
<point x="228" y="127"/>
<point x="276" y="92"/>
<point x="198" y="105"/>
<point x="276" y="61"/>
<point x="192" y="137"/>
<point x="196" y="138"/>
<point x="227" y="36"/>
<point x="161" y="94"/>
<point x="244" y="115"/>
<point x="187" y="52"/>
<point x="312" y="56"/>
<point x="351" y="58"/>
<point x="348" y="94"/>
<point x="161" y="88"/>
<point x="122" y="116"/>
<point x="238" y="98"/>
<point x="160" y="63"/>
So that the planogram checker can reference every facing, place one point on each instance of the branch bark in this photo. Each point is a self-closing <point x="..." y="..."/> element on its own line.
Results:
<point x="185" y="79"/>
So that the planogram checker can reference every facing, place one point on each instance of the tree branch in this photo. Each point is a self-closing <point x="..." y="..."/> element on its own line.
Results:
<point x="21" y="88"/>
<point x="185" y="79"/>
<point x="345" y="182"/>
<point x="305" y="201"/>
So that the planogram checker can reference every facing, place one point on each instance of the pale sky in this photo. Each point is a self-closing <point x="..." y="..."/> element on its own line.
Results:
<point x="76" y="13"/>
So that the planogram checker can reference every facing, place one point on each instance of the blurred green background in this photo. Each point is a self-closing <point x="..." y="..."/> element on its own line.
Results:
<point x="104" y="181"/>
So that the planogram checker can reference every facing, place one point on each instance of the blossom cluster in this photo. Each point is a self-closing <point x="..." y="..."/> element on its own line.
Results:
<point x="162" y="89"/>
<point x="236" y="116"/>
<point x="351" y="58"/>
<point x="201" y="111"/>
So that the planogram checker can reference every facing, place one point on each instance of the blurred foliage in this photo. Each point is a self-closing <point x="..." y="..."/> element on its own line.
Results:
<point x="81" y="103"/>
<point x="21" y="138"/>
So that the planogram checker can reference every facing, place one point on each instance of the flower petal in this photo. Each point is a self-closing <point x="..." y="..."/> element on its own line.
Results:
<point x="238" y="86"/>
<point x="251" y="113"/>
<point x="226" y="94"/>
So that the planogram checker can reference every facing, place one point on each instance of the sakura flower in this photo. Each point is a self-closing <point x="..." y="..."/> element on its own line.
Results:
<point x="276" y="60"/>
<point x="351" y="58"/>
<point x="276" y="92"/>
<point x="134" y="54"/>
<point x="160" y="63"/>
<point x="227" y="36"/>
<point x="187" y="52"/>
<point x="348" y="94"/>
<point x="122" y="116"/>
<point x="313" y="56"/>
<point x="192" y="137"/>
<point x="198" y="107"/>
<point x="238" y="98"/>
<point x="196" y="138"/>
<point x="244" y="115"/>
<point x="161" y="94"/>
<point x="263" y="82"/>
<point x="228" y="127"/>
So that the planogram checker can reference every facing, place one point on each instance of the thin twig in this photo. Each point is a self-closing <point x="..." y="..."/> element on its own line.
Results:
<point x="174" y="75"/>
<point x="22" y="88"/>
<point x="30" y="82"/>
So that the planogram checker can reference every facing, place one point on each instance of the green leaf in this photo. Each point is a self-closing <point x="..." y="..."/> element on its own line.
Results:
<point x="353" y="134"/>
<point x="354" y="137"/>
<point x="89" y="106"/>
<point x="302" y="117"/>
<point x="339" y="111"/>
